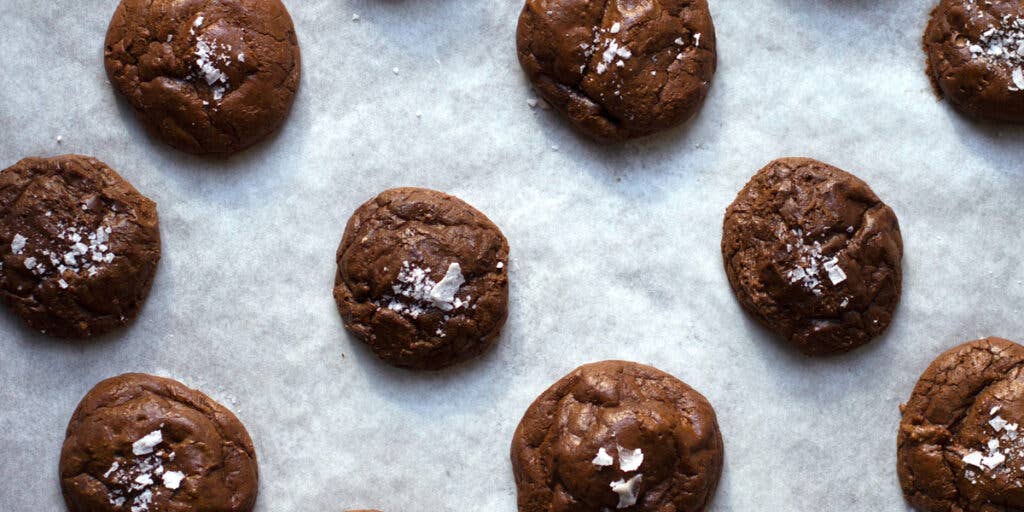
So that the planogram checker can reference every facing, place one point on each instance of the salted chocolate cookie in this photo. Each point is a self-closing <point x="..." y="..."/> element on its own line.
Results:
<point x="619" y="69"/>
<point x="815" y="255"/>
<point x="141" y="443"/>
<point x="79" y="245"/>
<point x="422" y="278"/>
<point x="960" y="447"/>
<point x="205" y="76"/>
<point x="975" y="54"/>
<point x="617" y="435"/>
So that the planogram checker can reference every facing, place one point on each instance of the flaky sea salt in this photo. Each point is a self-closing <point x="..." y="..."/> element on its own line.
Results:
<point x="443" y="293"/>
<point x="1004" y="44"/>
<point x="627" y="490"/>
<point x="415" y="283"/>
<point x="172" y="479"/>
<point x="835" y="272"/>
<point x="974" y="459"/>
<point x="132" y="481"/>
<point x="630" y="460"/>
<point x="811" y="263"/>
<point x="142" y="501"/>
<point x="18" y="244"/>
<point x="994" y="460"/>
<point x="1018" y="78"/>
<point x="997" y="423"/>
<point x="148" y="443"/>
<point x="615" y="28"/>
<point x="999" y="448"/>
<point x="602" y="458"/>
<point x="206" y="59"/>
<point x="613" y="54"/>
<point x="80" y="254"/>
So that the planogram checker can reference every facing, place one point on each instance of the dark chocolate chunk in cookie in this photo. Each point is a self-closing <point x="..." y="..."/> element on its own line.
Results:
<point x="815" y="255"/>
<point x="960" y="445"/>
<point x="975" y="55"/>
<point x="79" y="245"/>
<point x="148" y="444"/>
<point x="619" y="69"/>
<point x="422" y="278"/>
<point x="212" y="76"/>
<point x="617" y="435"/>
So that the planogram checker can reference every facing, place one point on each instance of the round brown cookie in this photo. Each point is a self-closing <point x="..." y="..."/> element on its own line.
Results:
<point x="973" y="56"/>
<point x="619" y="70"/>
<point x="815" y="255"/>
<point x="422" y="278"/>
<point x="78" y="245"/>
<point x="960" y="447"/>
<point x="144" y="443"/>
<point x="205" y="76"/>
<point x="617" y="435"/>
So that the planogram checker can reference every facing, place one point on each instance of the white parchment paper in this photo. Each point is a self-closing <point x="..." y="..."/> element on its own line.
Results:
<point x="615" y="250"/>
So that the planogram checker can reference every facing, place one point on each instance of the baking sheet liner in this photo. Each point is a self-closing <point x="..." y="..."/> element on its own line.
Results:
<point x="615" y="250"/>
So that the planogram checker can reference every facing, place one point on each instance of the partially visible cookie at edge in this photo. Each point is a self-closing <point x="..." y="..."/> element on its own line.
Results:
<point x="617" y="435"/>
<point x="207" y="77"/>
<point x="619" y="70"/>
<point x="79" y="246"/>
<point x="422" y="278"/>
<point x="960" y="446"/>
<point x="145" y="443"/>
<point x="815" y="255"/>
<point x="973" y="56"/>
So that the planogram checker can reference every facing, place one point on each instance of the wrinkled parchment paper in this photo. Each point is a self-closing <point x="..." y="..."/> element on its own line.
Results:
<point x="615" y="250"/>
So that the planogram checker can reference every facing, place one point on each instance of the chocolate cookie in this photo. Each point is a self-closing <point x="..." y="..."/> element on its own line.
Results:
<point x="960" y="447"/>
<point x="976" y="56"/>
<point x="205" y="76"/>
<point x="619" y="70"/>
<point x="78" y="245"/>
<point x="143" y="443"/>
<point x="617" y="435"/>
<point x="422" y="278"/>
<point x="815" y="255"/>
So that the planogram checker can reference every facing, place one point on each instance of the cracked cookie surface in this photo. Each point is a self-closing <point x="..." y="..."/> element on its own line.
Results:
<point x="617" y="435"/>
<point x="958" y="448"/>
<point x="619" y="69"/>
<point x="79" y="246"/>
<point x="205" y="76"/>
<point x="975" y="52"/>
<point x="422" y="278"/>
<point x="150" y="444"/>
<point x="814" y="254"/>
